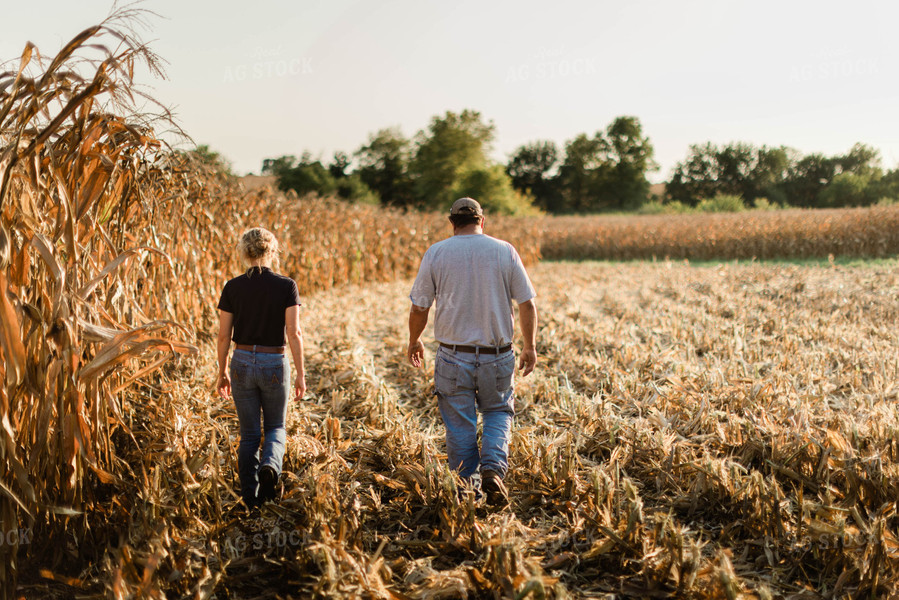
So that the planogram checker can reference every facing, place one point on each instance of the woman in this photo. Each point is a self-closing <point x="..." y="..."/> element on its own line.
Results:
<point x="258" y="310"/>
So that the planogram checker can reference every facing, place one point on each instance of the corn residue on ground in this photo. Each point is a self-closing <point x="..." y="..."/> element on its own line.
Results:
<point x="697" y="432"/>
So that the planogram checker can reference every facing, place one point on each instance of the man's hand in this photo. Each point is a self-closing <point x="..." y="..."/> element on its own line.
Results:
<point x="528" y="361"/>
<point x="416" y="354"/>
<point x="527" y="314"/>
<point x="224" y="385"/>
<point x="299" y="387"/>
<point x="418" y="320"/>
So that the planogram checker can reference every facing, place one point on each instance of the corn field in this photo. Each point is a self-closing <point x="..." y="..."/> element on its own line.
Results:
<point x="871" y="232"/>
<point x="696" y="432"/>
<point x="113" y="249"/>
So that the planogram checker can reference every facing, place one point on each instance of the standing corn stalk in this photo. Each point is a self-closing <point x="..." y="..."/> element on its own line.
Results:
<point x="73" y="269"/>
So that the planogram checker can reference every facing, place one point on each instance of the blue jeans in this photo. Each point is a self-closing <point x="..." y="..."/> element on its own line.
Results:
<point x="466" y="384"/>
<point x="259" y="382"/>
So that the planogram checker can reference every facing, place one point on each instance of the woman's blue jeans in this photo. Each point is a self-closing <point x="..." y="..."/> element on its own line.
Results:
<point x="259" y="383"/>
<point x="466" y="384"/>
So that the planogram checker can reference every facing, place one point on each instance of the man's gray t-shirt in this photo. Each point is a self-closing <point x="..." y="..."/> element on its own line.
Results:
<point x="474" y="278"/>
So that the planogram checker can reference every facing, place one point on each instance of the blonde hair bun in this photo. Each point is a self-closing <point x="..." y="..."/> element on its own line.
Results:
<point x="258" y="243"/>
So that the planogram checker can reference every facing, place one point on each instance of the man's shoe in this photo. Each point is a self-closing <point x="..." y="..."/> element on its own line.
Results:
<point x="268" y="481"/>
<point x="494" y="488"/>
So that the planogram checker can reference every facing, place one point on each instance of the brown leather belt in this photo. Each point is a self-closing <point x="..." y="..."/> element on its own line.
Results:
<point x="263" y="349"/>
<point x="477" y="349"/>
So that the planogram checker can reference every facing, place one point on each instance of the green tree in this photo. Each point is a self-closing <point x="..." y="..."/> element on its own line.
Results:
<point x="493" y="188"/>
<point x="696" y="177"/>
<point x="710" y="171"/>
<point x="807" y="177"/>
<point x="630" y="155"/>
<point x="772" y="165"/>
<point x="352" y="188"/>
<point x="736" y="169"/>
<point x="849" y="189"/>
<point x="451" y="159"/>
<point x="339" y="165"/>
<point x="212" y="159"/>
<point x="812" y="174"/>
<point x="606" y="171"/>
<point x="453" y="145"/>
<point x="532" y="170"/>
<point x="887" y="187"/>
<point x="583" y="173"/>
<point x="384" y="166"/>
<point x="277" y="166"/>
<point x="308" y="176"/>
<point x="735" y="163"/>
<point x="861" y="160"/>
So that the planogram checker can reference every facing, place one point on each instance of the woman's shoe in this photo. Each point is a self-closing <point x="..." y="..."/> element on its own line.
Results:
<point x="268" y="482"/>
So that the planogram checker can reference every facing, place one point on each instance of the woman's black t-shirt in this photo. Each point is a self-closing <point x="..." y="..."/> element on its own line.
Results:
<point x="258" y="299"/>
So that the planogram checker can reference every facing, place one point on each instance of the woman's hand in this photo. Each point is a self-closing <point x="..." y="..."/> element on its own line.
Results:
<point x="224" y="385"/>
<point x="299" y="386"/>
<point x="295" y="341"/>
<point x="223" y="346"/>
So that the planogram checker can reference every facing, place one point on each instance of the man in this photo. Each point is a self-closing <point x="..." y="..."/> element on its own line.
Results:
<point x="475" y="279"/>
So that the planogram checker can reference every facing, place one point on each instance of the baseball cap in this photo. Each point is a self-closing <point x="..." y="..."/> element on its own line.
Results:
<point x="466" y="206"/>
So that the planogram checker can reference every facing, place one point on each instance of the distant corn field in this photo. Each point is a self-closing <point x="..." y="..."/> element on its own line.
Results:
<point x="781" y="234"/>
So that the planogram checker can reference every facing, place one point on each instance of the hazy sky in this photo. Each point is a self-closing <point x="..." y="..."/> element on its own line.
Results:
<point x="272" y="77"/>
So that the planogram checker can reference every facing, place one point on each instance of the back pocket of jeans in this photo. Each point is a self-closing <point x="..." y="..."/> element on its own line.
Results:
<point x="505" y="373"/>
<point x="238" y="373"/>
<point x="271" y="377"/>
<point x="445" y="375"/>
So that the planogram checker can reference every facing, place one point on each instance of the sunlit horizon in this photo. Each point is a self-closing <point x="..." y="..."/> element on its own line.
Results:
<point x="265" y="80"/>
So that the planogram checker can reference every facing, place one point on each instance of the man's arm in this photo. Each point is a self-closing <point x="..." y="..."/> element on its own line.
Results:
<point x="226" y="324"/>
<point x="527" y="315"/>
<point x="418" y="320"/>
<point x="295" y="341"/>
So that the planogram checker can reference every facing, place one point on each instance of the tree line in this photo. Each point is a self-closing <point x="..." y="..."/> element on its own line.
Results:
<point x="605" y="172"/>
<point x="447" y="160"/>
<point x="782" y="176"/>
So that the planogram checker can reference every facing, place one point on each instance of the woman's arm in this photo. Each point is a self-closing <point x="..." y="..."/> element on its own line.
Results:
<point x="226" y="325"/>
<point x="295" y="341"/>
